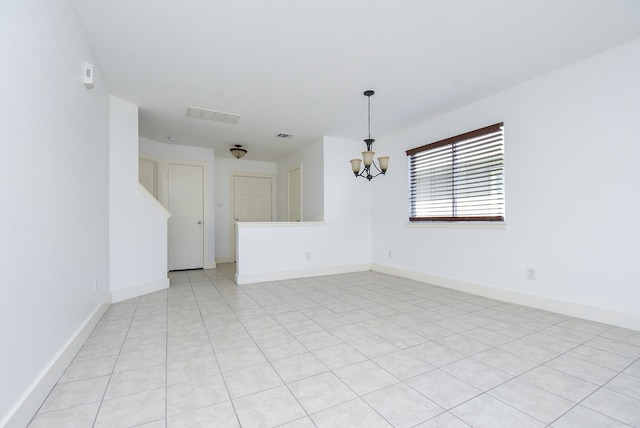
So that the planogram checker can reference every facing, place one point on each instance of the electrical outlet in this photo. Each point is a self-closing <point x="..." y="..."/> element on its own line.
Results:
<point x="389" y="253"/>
<point x="308" y="255"/>
<point x="531" y="274"/>
<point x="95" y="285"/>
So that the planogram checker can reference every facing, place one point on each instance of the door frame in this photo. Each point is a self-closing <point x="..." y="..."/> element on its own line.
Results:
<point x="163" y="197"/>
<point x="201" y="216"/>
<point x="293" y="168"/>
<point x="232" y="203"/>
<point x="154" y="173"/>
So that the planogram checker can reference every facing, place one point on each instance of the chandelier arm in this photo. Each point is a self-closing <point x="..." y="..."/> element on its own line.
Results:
<point x="366" y="173"/>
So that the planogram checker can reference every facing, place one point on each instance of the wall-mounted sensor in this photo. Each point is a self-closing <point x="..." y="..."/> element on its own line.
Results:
<point x="88" y="75"/>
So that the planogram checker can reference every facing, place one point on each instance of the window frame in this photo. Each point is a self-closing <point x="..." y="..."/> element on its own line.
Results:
<point x="492" y="178"/>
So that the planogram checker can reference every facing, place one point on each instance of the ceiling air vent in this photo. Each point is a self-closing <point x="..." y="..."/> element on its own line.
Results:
<point x="283" y="135"/>
<point x="216" y="116"/>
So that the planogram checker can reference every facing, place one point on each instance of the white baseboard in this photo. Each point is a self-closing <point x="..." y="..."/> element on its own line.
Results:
<point x="573" y="309"/>
<point x="225" y="260"/>
<point x="31" y="401"/>
<point x="139" y="290"/>
<point x="242" y="279"/>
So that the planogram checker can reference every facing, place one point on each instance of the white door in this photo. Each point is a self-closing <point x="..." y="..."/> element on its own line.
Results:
<point x="186" y="224"/>
<point x="252" y="198"/>
<point x="251" y="202"/>
<point x="295" y="194"/>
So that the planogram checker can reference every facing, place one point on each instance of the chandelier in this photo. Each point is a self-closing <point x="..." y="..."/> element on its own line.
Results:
<point x="367" y="156"/>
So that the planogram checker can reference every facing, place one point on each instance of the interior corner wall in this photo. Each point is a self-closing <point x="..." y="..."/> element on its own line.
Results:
<point x="137" y="228"/>
<point x="571" y="142"/>
<point x="53" y="199"/>
<point x="164" y="153"/>
<point x="311" y="159"/>
<point x="224" y="168"/>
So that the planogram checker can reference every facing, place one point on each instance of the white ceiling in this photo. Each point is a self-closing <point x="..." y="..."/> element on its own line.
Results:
<point x="300" y="66"/>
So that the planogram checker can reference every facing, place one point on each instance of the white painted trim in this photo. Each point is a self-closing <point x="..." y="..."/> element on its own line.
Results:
<point x="278" y="224"/>
<point x="573" y="309"/>
<point x="299" y="273"/>
<point x="225" y="260"/>
<point x="139" y="290"/>
<point x="30" y="402"/>
<point x="457" y="225"/>
<point x="293" y="168"/>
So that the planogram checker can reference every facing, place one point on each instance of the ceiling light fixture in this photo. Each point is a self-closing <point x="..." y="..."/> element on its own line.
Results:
<point x="237" y="151"/>
<point x="367" y="156"/>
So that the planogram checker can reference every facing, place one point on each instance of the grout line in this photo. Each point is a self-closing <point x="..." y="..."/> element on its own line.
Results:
<point x="215" y="354"/>
<point x="166" y="361"/>
<point x="382" y="297"/>
<point x="95" y="420"/>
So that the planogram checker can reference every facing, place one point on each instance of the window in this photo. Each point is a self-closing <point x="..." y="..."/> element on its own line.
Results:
<point x="458" y="179"/>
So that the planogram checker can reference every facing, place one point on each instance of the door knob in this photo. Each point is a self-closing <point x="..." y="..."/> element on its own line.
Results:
<point x="199" y="221"/>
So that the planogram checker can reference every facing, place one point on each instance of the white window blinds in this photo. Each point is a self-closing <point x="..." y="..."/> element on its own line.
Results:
<point x="459" y="179"/>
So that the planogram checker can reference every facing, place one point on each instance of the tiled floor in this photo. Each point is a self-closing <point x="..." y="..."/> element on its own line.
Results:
<point x="353" y="350"/>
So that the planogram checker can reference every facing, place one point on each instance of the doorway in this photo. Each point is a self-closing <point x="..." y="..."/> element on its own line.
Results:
<point x="186" y="225"/>
<point x="252" y="201"/>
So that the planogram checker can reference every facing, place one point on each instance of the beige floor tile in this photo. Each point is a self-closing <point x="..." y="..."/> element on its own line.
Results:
<point x="321" y="392"/>
<point x="353" y="413"/>
<point x="222" y="415"/>
<point x="77" y="393"/>
<point x="402" y="406"/>
<point x="72" y="417"/>
<point x="194" y="394"/>
<point x="268" y="408"/>
<point x="132" y="410"/>
<point x="356" y="349"/>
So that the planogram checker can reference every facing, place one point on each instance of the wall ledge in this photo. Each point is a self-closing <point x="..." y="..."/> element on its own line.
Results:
<point x="242" y="279"/>
<point x="28" y="405"/>
<point x="139" y="290"/>
<point x="572" y="309"/>
<point x="276" y="224"/>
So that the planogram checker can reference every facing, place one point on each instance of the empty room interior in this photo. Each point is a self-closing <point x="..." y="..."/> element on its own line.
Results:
<point x="320" y="214"/>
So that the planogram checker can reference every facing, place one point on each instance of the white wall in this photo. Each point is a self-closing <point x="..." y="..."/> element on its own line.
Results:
<point x="571" y="187"/>
<point x="163" y="153"/>
<point x="54" y="155"/>
<point x="311" y="160"/>
<point x="137" y="227"/>
<point x="342" y="243"/>
<point x="224" y="168"/>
